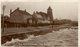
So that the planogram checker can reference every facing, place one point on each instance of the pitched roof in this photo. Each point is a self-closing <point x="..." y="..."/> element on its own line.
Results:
<point x="42" y="14"/>
<point x="24" y="12"/>
<point x="21" y="11"/>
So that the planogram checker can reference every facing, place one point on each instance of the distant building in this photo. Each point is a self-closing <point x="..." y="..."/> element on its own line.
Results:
<point x="19" y="16"/>
<point x="50" y="14"/>
<point x="41" y="17"/>
<point x="37" y="18"/>
<point x="44" y="15"/>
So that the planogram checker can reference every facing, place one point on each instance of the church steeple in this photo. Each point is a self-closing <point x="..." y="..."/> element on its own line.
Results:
<point x="49" y="8"/>
<point x="50" y="14"/>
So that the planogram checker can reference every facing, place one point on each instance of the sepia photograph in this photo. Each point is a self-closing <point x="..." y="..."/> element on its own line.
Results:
<point x="39" y="24"/>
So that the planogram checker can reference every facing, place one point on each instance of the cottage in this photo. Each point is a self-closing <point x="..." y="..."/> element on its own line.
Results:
<point x="19" y="16"/>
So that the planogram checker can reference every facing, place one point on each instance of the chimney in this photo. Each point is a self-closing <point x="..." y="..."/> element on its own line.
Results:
<point x="10" y="11"/>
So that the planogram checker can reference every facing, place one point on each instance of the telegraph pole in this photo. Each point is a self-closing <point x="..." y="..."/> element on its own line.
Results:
<point x="3" y="18"/>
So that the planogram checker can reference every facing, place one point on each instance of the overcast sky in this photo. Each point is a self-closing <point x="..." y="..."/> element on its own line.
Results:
<point x="61" y="10"/>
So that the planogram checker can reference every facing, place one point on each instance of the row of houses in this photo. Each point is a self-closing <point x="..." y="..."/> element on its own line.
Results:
<point x="18" y="17"/>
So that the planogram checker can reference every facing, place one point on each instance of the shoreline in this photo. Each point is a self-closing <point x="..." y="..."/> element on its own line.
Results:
<point x="68" y="36"/>
<point x="23" y="35"/>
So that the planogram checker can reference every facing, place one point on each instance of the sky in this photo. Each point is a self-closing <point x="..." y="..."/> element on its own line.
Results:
<point x="61" y="10"/>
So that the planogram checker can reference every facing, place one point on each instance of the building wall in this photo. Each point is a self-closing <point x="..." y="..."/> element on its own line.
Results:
<point x="16" y="17"/>
<point x="50" y="15"/>
<point x="26" y="17"/>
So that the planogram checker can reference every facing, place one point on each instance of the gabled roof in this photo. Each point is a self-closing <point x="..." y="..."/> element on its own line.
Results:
<point x="24" y="12"/>
<point x="37" y="16"/>
<point x="21" y="11"/>
<point x="42" y="14"/>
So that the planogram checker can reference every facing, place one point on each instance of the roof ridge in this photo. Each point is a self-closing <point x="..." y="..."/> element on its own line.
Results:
<point x="21" y="11"/>
<point x="24" y="12"/>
